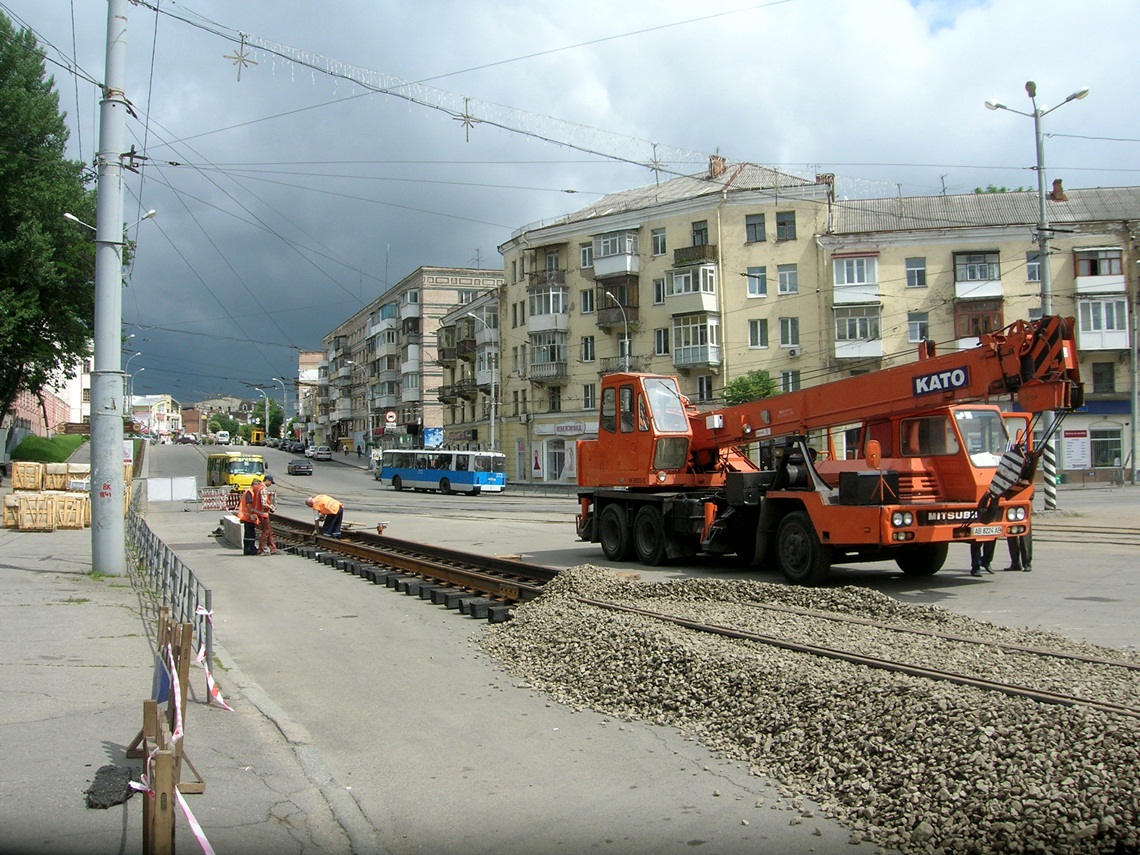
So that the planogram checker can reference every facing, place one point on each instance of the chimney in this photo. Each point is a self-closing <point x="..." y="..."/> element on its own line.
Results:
<point x="1058" y="192"/>
<point x="717" y="166"/>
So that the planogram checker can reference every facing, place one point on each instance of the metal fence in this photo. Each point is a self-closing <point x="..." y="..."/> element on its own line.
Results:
<point x="180" y="590"/>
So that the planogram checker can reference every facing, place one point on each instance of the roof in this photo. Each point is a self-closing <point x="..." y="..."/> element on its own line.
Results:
<point x="737" y="177"/>
<point x="1101" y="204"/>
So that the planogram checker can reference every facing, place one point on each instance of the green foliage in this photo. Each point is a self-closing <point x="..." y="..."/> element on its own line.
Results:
<point x="749" y="387"/>
<point x="220" y="421"/>
<point x="36" y="449"/>
<point x="46" y="263"/>
<point x="990" y="188"/>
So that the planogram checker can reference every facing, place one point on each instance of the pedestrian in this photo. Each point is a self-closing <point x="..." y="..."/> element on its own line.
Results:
<point x="981" y="556"/>
<point x="266" y="545"/>
<point x="359" y="452"/>
<point x="330" y="510"/>
<point x="247" y="515"/>
<point x="1020" y="552"/>
<point x="345" y="449"/>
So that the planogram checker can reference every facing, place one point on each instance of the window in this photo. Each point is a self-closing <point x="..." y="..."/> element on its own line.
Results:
<point x="547" y="347"/>
<point x="977" y="267"/>
<point x="1099" y="262"/>
<point x="586" y="255"/>
<point x="785" y="225"/>
<point x="857" y="323"/>
<point x="411" y="296"/>
<point x="754" y="228"/>
<point x="757" y="281"/>
<point x="588" y="301"/>
<point x="85" y="396"/>
<point x="657" y="237"/>
<point x="615" y="243"/>
<point x="514" y="315"/>
<point x="515" y="360"/>
<point x="607" y="421"/>
<point x="661" y="341"/>
<point x="972" y="318"/>
<point x="789" y="381"/>
<point x="690" y="280"/>
<point x="789" y="332"/>
<point x="1033" y="266"/>
<point x="788" y="279"/>
<point x="704" y="388"/>
<point x="548" y="300"/>
<point x="551" y="259"/>
<point x="555" y="399"/>
<point x="917" y="326"/>
<point x="587" y="348"/>
<point x="589" y="396"/>
<point x="758" y="333"/>
<point x="1104" y="377"/>
<point x="658" y="291"/>
<point x="1103" y="316"/>
<point x="1104" y="443"/>
<point x="916" y="273"/>
<point x="701" y="233"/>
<point x="856" y="271"/>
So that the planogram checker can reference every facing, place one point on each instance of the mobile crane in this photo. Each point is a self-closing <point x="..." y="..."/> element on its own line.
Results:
<point x="934" y="463"/>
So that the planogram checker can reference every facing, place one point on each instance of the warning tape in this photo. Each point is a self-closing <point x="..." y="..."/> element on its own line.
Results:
<point x="195" y="826"/>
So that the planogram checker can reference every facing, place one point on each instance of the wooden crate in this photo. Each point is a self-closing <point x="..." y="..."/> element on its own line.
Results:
<point x="70" y="511"/>
<point x="11" y="511"/>
<point x="27" y="476"/>
<point x="79" y="470"/>
<point x="37" y="512"/>
<point x="55" y="476"/>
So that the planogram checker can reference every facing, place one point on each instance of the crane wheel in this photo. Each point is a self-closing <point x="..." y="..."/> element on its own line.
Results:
<point x="649" y="538"/>
<point x="613" y="533"/>
<point x="922" y="559"/>
<point x="803" y="559"/>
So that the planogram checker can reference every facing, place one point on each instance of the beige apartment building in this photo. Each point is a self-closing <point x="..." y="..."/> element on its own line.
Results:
<point x="378" y="381"/>
<point x="743" y="268"/>
<point x="468" y="351"/>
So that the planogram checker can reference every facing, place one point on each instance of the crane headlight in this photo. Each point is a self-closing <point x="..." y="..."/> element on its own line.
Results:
<point x="902" y="518"/>
<point x="1015" y="514"/>
<point x="661" y="476"/>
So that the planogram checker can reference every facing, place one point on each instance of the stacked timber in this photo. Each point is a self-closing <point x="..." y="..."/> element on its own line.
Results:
<point x="50" y="496"/>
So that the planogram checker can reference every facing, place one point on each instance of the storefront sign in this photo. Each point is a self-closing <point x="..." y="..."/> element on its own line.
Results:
<point x="1078" y="454"/>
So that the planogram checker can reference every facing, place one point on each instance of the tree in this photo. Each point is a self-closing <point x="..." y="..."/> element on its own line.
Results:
<point x="749" y="387"/>
<point x="47" y="264"/>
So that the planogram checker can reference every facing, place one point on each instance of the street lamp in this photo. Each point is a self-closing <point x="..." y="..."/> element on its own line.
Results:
<point x="625" y="320"/>
<point x="131" y="390"/>
<point x="284" y="411"/>
<point x="1050" y="457"/>
<point x="494" y="370"/>
<point x="261" y="392"/>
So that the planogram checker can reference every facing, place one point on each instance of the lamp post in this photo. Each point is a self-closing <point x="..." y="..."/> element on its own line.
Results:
<point x="1050" y="457"/>
<point x="131" y="391"/>
<point x="261" y="392"/>
<point x="493" y="369"/>
<point x="284" y="412"/>
<point x="625" y="320"/>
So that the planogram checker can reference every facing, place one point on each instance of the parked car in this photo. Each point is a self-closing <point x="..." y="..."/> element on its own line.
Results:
<point x="309" y="450"/>
<point x="299" y="466"/>
<point x="322" y="452"/>
<point x="187" y="439"/>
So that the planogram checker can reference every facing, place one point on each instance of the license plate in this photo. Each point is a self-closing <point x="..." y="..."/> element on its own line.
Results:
<point x="985" y="530"/>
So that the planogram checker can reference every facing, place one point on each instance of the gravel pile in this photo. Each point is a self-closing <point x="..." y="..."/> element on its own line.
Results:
<point x="912" y="764"/>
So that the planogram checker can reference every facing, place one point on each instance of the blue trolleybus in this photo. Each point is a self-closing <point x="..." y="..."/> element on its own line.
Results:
<point x="470" y="472"/>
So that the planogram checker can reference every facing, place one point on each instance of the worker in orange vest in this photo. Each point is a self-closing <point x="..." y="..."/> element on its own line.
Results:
<point x="331" y="510"/>
<point x="266" y="546"/>
<point x="247" y="515"/>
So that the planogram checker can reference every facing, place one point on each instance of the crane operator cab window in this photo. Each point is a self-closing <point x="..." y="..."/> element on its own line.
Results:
<point x="984" y="434"/>
<point x="928" y="436"/>
<point x="607" y="420"/>
<point x="625" y="408"/>
<point x="667" y="405"/>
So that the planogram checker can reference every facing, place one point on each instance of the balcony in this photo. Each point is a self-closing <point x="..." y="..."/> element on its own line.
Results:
<point x="863" y="292"/>
<point x="448" y="394"/>
<point x="547" y="372"/>
<point x="700" y="254"/>
<point x="446" y="355"/>
<point x="859" y="349"/>
<point x="541" y="278"/>
<point x="555" y="322"/>
<point x="622" y="264"/>
<point x="410" y="396"/>
<point x="976" y="289"/>
<point x="467" y="389"/>
<point x="409" y="310"/>
<point x="692" y="303"/>
<point x="1111" y="284"/>
<point x="616" y="364"/>
<point x="696" y="356"/>
<point x="465" y="349"/>
<point x="608" y="317"/>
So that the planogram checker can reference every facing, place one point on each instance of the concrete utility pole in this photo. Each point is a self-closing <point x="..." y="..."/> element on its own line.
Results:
<point x="1048" y="418"/>
<point x="108" y="480"/>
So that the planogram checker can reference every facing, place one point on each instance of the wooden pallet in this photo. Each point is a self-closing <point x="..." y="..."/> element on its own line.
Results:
<point x="36" y="512"/>
<point x="27" y="476"/>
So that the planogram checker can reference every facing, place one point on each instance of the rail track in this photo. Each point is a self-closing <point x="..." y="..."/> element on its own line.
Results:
<point x="476" y="585"/>
<point x="488" y="588"/>
<point x="1069" y="531"/>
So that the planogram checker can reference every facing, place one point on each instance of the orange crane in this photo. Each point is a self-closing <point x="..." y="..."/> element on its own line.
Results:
<point x="934" y="463"/>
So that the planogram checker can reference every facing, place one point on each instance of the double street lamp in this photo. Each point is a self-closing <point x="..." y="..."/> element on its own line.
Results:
<point x="493" y="369"/>
<point x="1050" y="457"/>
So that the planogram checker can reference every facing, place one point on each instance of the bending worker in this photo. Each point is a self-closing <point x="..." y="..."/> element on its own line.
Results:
<point x="331" y="510"/>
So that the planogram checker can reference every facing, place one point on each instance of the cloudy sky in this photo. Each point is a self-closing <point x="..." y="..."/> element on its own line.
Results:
<point x="292" y="197"/>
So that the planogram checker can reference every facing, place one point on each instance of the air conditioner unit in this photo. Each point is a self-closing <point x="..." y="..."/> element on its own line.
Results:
<point x="793" y="352"/>
<point x="524" y="418"/>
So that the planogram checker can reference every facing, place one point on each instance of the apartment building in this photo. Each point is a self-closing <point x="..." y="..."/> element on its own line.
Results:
<point x="742" y="268"/>
<point x="378" y="383"/>
<point x="468" y="351"/>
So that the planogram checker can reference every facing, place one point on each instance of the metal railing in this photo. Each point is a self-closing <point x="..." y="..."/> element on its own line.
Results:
<point x="165" y="574"/>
